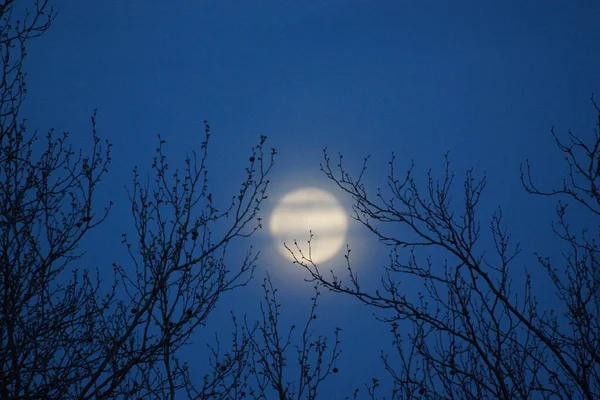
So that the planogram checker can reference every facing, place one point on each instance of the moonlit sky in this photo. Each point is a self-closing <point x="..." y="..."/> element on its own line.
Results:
<point x="484" y="80"/>
<point x="314" y="211"/>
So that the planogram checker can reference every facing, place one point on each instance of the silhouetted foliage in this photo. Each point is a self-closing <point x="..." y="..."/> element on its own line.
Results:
<point x="469" y="333"/>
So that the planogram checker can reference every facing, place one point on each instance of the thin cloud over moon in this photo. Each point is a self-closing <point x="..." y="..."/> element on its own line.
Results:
<point x="302" y="211"/>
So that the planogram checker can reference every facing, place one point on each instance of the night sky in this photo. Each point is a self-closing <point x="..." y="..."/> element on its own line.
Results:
<point x="482" y="80"/>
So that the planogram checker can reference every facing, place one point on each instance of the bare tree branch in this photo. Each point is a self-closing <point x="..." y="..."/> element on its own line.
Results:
<point x="468" y="334"/>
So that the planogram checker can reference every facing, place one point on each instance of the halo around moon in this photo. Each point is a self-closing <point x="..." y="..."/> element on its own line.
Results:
<point x="309" y="210"/>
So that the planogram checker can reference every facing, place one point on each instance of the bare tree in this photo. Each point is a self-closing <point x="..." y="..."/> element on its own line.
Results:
<point x="69" y="332"/>
<point x="268" y="361"/>
<point x="476" y="329"/>
<point x="180" y="270"/>
<point x="271" y="353"/>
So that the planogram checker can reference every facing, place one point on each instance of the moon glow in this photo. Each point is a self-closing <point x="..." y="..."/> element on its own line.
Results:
<point x="305" y="210"/>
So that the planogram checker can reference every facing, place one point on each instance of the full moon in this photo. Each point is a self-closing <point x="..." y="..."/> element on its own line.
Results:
<point x="305" y="210"/>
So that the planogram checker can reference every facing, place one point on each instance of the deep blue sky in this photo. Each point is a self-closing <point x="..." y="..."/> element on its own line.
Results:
<point x="485" y="80"/>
